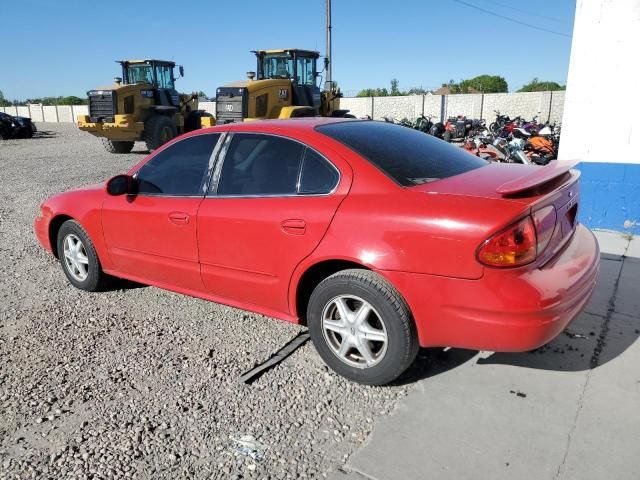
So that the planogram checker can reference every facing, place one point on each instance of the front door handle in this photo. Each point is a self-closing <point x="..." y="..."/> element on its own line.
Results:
<point x="294" y="226"/>
<point x="179" y="218"/>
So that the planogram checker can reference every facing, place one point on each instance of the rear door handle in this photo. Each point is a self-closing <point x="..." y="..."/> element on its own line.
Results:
<point x="294" y="226"/>
<point x="179" y="218"/>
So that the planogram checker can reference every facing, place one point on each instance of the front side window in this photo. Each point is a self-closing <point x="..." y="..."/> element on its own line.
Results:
<point x="179" y="170"/>
<point x="277" y="65"/>
<point x="141" y="73"/>
<point x="304" y="71"/>
<point x="163" y="75"/>
<point x="261" y="165"/>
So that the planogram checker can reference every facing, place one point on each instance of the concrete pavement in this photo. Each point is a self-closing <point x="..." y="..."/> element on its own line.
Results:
<point x="569" y="410"/>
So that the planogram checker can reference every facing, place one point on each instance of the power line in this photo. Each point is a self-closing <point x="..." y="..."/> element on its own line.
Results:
<point x="505" y="5"/>
<point x="511" y="19"/>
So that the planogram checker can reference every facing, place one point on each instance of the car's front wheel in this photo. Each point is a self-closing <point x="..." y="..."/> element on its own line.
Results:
<point x="78" y="257"/>
<point x="362" y="327"/>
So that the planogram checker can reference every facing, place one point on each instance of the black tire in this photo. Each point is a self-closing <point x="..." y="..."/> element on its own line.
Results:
<point x="95" y="279"/>
<point x="193" y="121"/>
<point x="391" y="313"/>
<point x="494" y="127"/>
<point x="446" y="136"/>
<point x="113" y="146"/>
<point x="158" y="130"/>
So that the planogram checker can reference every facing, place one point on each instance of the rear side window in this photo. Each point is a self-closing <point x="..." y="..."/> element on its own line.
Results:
<point x="180" y="169"/>
<point x="261" y="165"/>
<point x="407" y="156"/>
<point x="318" y="176"/>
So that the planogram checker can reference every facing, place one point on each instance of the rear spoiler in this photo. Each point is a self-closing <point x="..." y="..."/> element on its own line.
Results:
<point x="538" y="177"/>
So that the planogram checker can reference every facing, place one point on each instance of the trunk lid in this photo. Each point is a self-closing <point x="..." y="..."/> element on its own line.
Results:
<point x="542" y="192"/>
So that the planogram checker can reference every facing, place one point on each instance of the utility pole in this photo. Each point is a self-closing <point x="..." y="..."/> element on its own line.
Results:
<point x="327" y="60"/>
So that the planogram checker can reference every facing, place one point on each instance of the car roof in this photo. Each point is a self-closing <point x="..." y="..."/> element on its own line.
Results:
<point x="304" y="124"/>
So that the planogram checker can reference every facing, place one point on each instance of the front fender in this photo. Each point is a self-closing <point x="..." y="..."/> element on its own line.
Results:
<point x="83" y="206"/>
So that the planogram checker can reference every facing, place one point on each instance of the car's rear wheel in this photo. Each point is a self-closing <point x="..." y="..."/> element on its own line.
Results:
<point x="78" y="257"/>
<point x="362" y="327"/>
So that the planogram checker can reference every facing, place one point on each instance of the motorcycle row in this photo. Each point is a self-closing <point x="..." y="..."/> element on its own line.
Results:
<point x="507" y="140"/>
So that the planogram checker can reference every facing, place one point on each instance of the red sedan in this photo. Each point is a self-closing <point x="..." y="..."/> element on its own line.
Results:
<point x="378" y="237"/>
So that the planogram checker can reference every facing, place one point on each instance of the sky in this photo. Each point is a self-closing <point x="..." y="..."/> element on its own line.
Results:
<point x="66" y="47"/>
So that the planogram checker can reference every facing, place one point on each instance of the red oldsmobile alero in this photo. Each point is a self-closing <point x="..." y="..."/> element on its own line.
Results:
<point x="380" y="238"/>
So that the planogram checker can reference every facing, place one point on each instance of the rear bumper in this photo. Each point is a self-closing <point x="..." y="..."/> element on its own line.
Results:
<point x="505" y="310"/>
<point x="123" y="127"/>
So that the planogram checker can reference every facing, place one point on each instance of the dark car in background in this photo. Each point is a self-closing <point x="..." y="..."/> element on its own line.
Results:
<point x="16" y="127"/>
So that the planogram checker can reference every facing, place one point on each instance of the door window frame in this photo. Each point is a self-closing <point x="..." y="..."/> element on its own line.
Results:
<point x="206" y="178"/>
<point x="212" y="191"/>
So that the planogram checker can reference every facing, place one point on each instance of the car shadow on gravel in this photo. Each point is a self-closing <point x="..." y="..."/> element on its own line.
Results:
<point x="41" y="134"/>
<point x="122" y="284"/>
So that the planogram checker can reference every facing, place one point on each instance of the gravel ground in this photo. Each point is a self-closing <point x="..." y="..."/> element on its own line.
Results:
<point x="140" y="382"/>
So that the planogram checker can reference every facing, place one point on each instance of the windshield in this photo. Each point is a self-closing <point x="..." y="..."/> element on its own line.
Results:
<point x="407" y="156"/>
<point x="141" y="73"/>
<point x="277" y="65"/>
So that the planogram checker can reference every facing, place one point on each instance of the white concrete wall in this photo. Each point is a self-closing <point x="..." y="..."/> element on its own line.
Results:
<point x="50" y="113"/>
<point x="360" y="107"/>
<point x="603" y="71"/>
<point x="409" y="106"/>
<point x="209" y="107"/>
<point x="544" y="105"/>
<point x="547" y="105"/>
<point x="432" y="106"/>
<point x="35" y="112"/>
<point x="79" y="110"/>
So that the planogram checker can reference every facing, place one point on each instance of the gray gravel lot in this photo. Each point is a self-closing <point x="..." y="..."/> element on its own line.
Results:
<point x="140" y="382"/>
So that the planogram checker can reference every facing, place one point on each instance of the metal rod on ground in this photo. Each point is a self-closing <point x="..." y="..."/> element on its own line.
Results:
<point x="280" y="355"/>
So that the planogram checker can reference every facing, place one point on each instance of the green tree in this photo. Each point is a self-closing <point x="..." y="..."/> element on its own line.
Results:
<point x="536" y="85"/>
<point x="373" y="92"/>
<point x="485" y="84"/>
<point x="3" y="101"/>
<point x="481" y="83"/>
<point x="395" y="91"/>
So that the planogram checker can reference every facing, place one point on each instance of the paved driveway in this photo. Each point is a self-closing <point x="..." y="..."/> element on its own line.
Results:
<point x="570" y="410"/>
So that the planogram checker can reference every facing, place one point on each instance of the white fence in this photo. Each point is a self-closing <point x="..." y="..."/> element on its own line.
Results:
<point x="548" y="106"/>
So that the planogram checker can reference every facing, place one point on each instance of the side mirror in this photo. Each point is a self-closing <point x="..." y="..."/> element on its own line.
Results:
<point x="181" y="69"/>
<point x="119" y="185"/>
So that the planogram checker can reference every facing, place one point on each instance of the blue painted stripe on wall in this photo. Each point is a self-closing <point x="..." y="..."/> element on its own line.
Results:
<point x="610" y="196"/>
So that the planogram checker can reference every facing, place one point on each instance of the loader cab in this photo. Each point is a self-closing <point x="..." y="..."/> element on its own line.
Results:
<point x="298" y="66"/>
<point x="158" y="73"/>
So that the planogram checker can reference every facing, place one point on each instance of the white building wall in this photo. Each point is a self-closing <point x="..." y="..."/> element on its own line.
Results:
<point x="602" y="83"/>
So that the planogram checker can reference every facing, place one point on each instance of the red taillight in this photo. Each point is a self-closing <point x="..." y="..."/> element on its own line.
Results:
<point x="512" y="247"/>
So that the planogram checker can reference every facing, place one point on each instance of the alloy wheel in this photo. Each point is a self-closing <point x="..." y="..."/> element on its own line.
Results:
<point x="75" y="257"/>
<point x="354" y="331"/>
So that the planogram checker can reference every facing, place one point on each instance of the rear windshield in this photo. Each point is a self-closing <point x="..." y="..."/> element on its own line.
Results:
<point x="407" y="156"/>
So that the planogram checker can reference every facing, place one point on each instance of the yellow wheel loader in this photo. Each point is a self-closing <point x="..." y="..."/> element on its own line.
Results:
<point x="283" y="86"/>
<point x="144" y="105"/>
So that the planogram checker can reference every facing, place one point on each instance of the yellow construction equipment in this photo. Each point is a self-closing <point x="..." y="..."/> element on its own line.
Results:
<point x="283" y="86"/>
<point x="143" y="104"/>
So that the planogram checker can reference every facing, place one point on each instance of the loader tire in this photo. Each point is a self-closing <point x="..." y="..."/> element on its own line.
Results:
<point x="117" y="147"/>
<point x="158" y="130"/>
